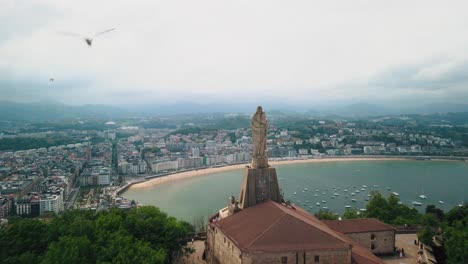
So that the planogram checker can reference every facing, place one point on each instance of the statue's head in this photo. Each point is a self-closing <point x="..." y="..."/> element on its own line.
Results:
<point x="259" y="109"/>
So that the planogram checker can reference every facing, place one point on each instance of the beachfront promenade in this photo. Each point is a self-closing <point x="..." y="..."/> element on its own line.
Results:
<point x="157" y="179"/>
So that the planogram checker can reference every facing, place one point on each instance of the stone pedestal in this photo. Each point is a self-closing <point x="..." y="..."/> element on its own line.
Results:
<point x="259" y="185"/>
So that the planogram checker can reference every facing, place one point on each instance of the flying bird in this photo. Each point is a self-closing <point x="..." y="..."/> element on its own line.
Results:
<point x="88" y="40"/>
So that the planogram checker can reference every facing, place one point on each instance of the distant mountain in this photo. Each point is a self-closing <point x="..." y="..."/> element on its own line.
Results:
<point x="438" y="108"/>
<point x="48" y="111"/>
<point x="358" y="110"/>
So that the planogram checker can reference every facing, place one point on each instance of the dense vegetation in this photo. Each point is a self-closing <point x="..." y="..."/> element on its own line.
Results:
<point x="23" y="143"/>
<point x="143" y="235"/>
<point x="454" y="224"/>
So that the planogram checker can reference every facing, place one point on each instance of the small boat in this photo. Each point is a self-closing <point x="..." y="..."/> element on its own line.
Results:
<point x="345" y="190"/>
<point x="338" y="189"/>
<point x="295" y="193"/>
<point x="325" y="208"/>
<point x="353" y="200"/>
<point x="336" y="194"/>
<point x="363" y="189"/>
<point x="363" y="209"/>
<point x="369" y="195"/>
<point x="417" y="203"/>
<point x="388" y="188"/>
<point x="395" y="193"/>
<point x="367" y="199"/>
<point x="317" y="204"/>
<point x="317" y="190"/>
<point x="422" y="196"/>
<point x="323" y="201"/>
<point x="315" y="195"/>
<point x="347" y="206"/>
<point x="323" y="193"/>
<point x="441" y="202"/>
<point x="364" y="186"/>
<point x="346" y="196"/>
<point x="460" y="205"/>
<point x="357" y="191"/>
<point x="305" y="189"/>
<point x="353" y="194"/>
<point x="333" y="197"/>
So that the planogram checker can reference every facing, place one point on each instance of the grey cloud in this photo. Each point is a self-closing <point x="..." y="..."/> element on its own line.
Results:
<point x="409" y="77"/>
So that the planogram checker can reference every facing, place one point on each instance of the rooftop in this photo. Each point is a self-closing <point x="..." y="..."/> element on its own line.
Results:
<point x="358" y="225"/>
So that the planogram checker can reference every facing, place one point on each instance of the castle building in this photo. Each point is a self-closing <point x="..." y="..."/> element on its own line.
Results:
<point x="262" y="228"/>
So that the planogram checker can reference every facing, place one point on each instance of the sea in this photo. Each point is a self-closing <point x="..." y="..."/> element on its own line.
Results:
<point x="332" y="186"/>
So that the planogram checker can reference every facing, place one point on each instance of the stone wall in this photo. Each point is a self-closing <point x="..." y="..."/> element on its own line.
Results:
<point x="224" y="251"/>
<point x="379" y="243"/>
<point x="309" y="257"/>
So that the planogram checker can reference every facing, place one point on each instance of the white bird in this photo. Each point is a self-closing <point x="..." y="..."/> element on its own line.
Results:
<point x="88" y="40"/>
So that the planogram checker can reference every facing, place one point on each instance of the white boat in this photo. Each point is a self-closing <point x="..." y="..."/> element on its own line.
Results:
<point x="364" y="186"/>
<point x="388" y="188"/>
<point x="369" y="195"/>
<point x="441" y="202"/>
<point x="317" y="190"/>
<point x="336" y="194"/>
<point x="315" y="195"/>
<point x="295" y="193"/>
<point x="325" y="208"/>
<point x="422" y="196"/>
<point x="353" y="194"/>
<point x="317" y="204"/>
<point x="395" y="193"/>
<point x="357" y="191"/>
<point x="353" y="200"/>
<point x="305" y="189"/>
<point x="417" y="203"/>
<point x="323" y="201"/>
<point x="347" y="206"/>
<point x="363" y="209"/>
<point x="323" y="193"/>
<point x="345" y="190"/>
<point x="363" y="189"/>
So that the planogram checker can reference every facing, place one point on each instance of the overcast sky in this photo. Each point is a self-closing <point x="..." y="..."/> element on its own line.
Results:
<point x="296" y="52"/>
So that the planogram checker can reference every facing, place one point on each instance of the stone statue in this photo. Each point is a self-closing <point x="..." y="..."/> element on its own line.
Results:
<point x="259" y="126"/>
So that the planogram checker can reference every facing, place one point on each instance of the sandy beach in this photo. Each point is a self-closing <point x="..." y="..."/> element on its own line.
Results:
<point x="194" y="173"/>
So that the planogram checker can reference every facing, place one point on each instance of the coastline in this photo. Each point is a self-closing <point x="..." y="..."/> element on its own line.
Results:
<point x="178" y="176"/>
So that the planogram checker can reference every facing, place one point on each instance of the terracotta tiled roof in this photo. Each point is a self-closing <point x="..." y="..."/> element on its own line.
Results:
<point x="358" y="225"/>
<point x="271" y="226"/>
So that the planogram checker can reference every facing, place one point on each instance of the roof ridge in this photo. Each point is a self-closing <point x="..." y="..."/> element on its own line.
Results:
<point x="266" y="229"/>
<point x="329" y="232"/>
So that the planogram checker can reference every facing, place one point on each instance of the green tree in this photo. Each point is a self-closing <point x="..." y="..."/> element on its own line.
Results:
<point x="326" y="215"/>
<point x="426" y="235"/>
<point x="351" y="214"/>
<point x="437" y="212"/>
<point x="73" y="250"/>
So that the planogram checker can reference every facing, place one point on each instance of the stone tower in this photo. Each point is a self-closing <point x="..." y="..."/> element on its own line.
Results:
<point x="260" y="182"/>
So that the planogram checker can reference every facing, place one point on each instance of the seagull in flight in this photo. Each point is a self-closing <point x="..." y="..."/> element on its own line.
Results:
<point x="88" y="40"/>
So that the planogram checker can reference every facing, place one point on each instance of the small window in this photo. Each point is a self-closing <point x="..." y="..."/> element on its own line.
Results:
<point x="372" y="236"/>
<point x="225" y="240"/>
<point x="372" y="246"/>
<point x="284" y="260"/>
<point x="317" y="259"/>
